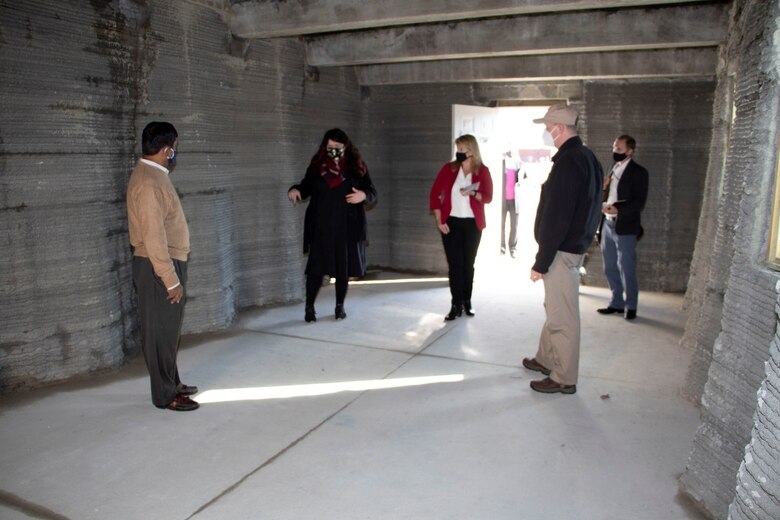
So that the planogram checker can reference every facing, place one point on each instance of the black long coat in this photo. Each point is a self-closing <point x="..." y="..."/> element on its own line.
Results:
<point x="334" y="231"/>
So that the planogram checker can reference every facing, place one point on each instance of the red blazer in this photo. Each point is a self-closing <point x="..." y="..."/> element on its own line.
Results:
<point x="442" y="190"/>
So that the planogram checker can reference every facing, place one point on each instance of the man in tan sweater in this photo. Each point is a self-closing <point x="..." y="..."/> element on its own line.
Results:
<point x="161" y="242"/>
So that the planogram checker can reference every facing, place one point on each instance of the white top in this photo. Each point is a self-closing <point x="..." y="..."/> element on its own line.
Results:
<point x="617" y="173"/>
<point x="461" y="205"/>
<point x="152" y="163"/>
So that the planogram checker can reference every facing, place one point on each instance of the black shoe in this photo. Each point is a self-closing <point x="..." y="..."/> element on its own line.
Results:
<point x="630" y="314"/>
<point x="609" y="310"/>
<point x="455" y="311"/>
<point x="468" y="309"/>
<point x="310" y="315"/>
<point x="339" y="312"/>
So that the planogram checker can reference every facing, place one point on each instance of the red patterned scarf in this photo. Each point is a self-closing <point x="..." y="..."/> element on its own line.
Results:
<point x="331" y="172"/>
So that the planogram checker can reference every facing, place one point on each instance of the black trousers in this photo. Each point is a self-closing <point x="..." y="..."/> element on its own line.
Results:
<point x="460" y="246"/>
<point x="160" y="323"/>
<point x="508" y="206"/>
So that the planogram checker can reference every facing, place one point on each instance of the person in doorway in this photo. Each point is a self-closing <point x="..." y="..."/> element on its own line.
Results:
<point x="160" y="240"/>
<point x="511" y="169"/>
<point x="566" y="221"/>
<point x="457" y="201"/>
<point x="625" y="194"/>
<point x="334" y="230"/>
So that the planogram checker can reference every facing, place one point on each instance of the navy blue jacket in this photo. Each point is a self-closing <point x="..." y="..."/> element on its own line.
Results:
<point x="569" y="205"/>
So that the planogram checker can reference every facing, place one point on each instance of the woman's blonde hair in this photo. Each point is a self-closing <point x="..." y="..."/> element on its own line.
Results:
<point x="470" y="142"/>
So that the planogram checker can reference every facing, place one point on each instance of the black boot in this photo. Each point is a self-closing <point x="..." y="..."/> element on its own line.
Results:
<point x="310" y="315"/>
<point x="455" y="311"/>
<point x="467" y="308"/>
<point x="339" y="312"/>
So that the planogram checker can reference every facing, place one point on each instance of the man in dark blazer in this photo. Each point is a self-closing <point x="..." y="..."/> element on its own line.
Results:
<point x="625" y="194"/>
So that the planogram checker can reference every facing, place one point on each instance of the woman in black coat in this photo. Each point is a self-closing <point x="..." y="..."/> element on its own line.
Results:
<point x="334" y="229"/>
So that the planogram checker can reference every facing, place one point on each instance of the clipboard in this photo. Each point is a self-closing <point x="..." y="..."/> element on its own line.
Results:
<point x="471" y="188"/>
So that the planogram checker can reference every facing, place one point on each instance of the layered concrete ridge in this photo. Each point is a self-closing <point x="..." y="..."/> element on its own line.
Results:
<point x="428" y="42"/>
<point x="263" y="19"/>
<point x="669" y="63"/>
<point x="630" y="29"/>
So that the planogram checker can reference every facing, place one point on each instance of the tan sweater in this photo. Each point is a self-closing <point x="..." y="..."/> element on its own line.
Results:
<point x="156" y="222"/>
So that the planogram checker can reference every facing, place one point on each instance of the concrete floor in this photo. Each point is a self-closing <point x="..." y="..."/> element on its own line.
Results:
<point x="473" y="442"/>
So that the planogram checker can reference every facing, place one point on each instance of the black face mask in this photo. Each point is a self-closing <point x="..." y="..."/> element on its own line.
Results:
<point x="335" y="153"/>
<point x="460" y="156"/>
<point x="618" y="156"/>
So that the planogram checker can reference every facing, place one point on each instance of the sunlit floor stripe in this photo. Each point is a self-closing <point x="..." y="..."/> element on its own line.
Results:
<point x="398" y="280"/>
<point x="284" y="392"/>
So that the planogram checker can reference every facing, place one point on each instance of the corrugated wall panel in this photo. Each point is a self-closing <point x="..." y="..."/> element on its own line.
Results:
<point x="748" y="320"/>
<point x="672" y="123"/>
<point x="80" y="81"/>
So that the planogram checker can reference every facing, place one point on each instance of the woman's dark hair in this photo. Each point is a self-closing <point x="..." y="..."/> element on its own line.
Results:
<point x="157" y="136"/>
<point x="352" y="156"/>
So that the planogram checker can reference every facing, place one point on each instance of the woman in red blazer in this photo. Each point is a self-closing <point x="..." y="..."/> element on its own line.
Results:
<point x="457" y="201"/>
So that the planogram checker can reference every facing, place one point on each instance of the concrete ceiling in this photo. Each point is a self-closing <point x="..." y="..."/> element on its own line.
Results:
<point x="433" y="41"/>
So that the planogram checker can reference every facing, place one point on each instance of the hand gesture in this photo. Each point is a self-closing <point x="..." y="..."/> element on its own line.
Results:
<point x="356" y="197"/>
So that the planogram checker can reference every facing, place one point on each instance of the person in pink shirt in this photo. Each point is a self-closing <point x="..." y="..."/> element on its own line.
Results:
<point x="508" y="205"/>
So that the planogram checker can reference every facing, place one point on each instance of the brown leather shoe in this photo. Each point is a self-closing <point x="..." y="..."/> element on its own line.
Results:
<point x="533" y="364"/>
<point x="181" y="403"/>
<point x="183" y="389"/>
<point x="548" y="386"/>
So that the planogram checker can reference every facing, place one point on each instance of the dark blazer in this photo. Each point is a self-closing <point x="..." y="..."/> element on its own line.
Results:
<point x="632" y="189"/>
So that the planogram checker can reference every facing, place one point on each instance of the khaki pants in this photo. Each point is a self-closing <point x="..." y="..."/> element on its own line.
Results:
<point x="559" y="343"/>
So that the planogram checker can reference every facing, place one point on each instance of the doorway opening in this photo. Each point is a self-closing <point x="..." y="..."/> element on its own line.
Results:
<point x="512" y="148"/>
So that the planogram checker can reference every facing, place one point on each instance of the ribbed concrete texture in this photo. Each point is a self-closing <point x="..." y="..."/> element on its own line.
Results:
<point x="737" y="370"/>
<point x="79" y="83"/>
<point x="758" y="480"/>
<point x="709" y="272"/>
<point x="671" y="122"/>
<point x="416" y="125"/>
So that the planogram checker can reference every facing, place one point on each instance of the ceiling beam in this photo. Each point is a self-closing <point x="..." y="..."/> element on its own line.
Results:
<point x="590" y="31"/>
<point x="666" y="63"/>
<point x="270" y="19"/>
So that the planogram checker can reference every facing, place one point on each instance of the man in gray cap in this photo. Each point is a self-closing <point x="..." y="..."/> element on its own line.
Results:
<point x="566" y="220"/>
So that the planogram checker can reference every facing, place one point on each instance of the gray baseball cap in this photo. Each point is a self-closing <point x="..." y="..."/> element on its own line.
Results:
<point x="560" y="115"/>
